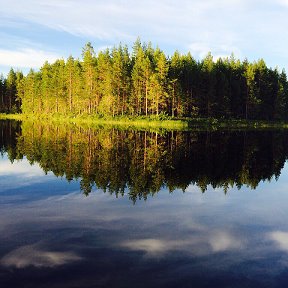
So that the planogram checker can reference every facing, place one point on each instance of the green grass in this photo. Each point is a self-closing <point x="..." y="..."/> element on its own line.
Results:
<point x="18" y="117"/>
<point x="150" y="123"/>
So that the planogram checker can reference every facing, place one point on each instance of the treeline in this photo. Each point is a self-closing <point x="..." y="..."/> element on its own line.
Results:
<point x="9" y="99"/>
<point x="147" y="82"/>
<point x="141" y="163"/>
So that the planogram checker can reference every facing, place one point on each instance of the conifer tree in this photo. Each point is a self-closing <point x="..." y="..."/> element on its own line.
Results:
<point x="105" y="84"/>
<point x="2" y="92"/>
<point x="89" y="76"/>
<point x="10" y="91"/>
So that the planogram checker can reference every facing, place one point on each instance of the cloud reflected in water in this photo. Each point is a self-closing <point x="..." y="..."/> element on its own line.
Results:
<point x="20" y="168"/>
<point x="198" y="245"/>
<point x="26" y="256"/>
<point x="223" y="241"/>
<point x="281" y="239"/>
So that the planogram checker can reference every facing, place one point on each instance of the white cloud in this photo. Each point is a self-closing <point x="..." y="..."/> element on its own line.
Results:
<point x="26" y="58"/>
<point x="26" y="256"/>
<point x="126" y="19"/>
<point x="219" y="26"/>
<point x="283" y="2"/>
<point x="201" y="49"/>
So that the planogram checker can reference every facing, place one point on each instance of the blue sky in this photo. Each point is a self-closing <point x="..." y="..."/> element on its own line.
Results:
<point x="33" y="31"/>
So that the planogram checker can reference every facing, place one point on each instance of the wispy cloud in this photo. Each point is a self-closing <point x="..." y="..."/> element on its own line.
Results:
<point x="124" y="20"/>
<point x="111" y="18"/>
<point x="283" y="2"/>
<point x="219" y="26"/>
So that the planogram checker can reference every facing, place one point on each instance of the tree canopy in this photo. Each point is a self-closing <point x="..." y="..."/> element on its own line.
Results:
<point x="147" y="82"/>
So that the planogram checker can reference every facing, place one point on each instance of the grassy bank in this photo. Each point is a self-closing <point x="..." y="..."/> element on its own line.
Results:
<point x="183" y="124"/>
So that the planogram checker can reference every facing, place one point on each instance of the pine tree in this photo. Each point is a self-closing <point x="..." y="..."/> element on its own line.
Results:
<point x="19" y="90"/>
<point x="10" y="92"/>
<point x="105" y="84"/>
<point x="2" y="93"/>
<point x="159" y="82"/>
<point x="251" y="95"/>
<point x="47" y="91"/>
<point x="58" y="86"/>
<point x="120" y="77"/>
<point x="89" y="75"/>
<point x="29" y="97"/>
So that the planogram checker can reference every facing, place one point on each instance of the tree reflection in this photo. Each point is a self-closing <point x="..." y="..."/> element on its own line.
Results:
<point x="9" y="131"/>
<point x="140" y="163"/>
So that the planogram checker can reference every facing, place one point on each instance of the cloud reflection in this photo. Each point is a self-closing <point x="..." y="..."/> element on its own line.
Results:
<point x="26" y="256"/>
<point x="223" y="241"/>
<point x="198" y="245"/>
<point x="281" y="239"/>
<point x="18" y="168"/>
<point x="21" y="174"/>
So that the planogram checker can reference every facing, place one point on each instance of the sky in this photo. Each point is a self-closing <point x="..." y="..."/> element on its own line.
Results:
<point x="33" y="31"/>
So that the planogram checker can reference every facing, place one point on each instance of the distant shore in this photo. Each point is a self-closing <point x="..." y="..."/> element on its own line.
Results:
<point x="169" y="123"/>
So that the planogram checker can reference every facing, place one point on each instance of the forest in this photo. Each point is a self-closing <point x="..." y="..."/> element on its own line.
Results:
<point x="146" y="82"/>
<point x="141" y="163"/>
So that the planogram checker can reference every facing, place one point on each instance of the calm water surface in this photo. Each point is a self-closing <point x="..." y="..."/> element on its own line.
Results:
<point x="111" y="208"/>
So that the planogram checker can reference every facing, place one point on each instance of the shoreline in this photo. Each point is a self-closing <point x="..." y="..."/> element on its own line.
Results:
<point x="166" y="123"/>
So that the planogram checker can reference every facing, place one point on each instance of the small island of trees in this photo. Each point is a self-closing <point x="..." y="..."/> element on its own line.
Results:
<point x="146" y="82"/>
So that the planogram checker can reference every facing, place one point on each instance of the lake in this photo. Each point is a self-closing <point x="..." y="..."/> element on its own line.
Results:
<point x="105" y="207"/>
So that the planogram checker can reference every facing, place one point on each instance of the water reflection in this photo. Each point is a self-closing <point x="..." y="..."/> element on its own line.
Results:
<point x="144" y="162"/>
<point x="54" y="236"/>
<point x="77" y="241"/>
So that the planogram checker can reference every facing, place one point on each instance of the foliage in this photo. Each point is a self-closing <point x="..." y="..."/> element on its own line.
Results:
<point x="146" y="82"/>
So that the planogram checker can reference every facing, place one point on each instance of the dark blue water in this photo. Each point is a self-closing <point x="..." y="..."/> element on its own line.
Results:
<point x="52" y="235"/>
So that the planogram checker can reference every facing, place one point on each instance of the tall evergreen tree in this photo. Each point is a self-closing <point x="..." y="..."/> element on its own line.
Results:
<point x="105" y="89"/>
<point x="2" y="93"/>
<point x="159" y="83"/>
<point x="89" y="74"/>
<point x="10" y="92"/>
